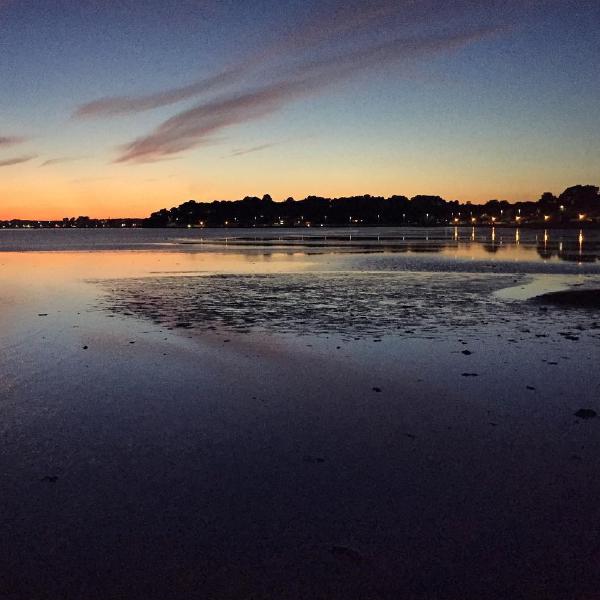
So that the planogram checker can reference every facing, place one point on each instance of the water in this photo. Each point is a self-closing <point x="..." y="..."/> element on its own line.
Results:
<point x="460" y="243"/>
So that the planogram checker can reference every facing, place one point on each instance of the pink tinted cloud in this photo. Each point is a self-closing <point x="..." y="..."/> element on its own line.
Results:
<point x="11" y="140"/>
<point x="123" y="105"/>
<point x="193" y="127"/>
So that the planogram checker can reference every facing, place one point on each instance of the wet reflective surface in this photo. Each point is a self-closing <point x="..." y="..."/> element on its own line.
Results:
<point x="282" y="419"/>
<point x="480" y="243"/>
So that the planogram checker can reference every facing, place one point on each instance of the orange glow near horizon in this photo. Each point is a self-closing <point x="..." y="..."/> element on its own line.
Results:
<point x="42" y="195"/>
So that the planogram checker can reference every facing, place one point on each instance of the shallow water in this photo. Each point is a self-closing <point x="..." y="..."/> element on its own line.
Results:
<point x="480" y="243"/>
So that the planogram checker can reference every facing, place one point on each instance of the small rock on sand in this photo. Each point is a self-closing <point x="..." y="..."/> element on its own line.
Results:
<point x="586" y="413"/>
<point x="313" y="460"/>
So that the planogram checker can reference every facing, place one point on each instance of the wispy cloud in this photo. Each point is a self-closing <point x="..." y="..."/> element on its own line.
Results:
<point x="11" y="140"/>
<point x="324" y="25"/>
<point x="60" y="159"/>
<point x="9" y="162"/>
<point x="123" y="105"/>
<point x="243" y="151"/>
<point x="192" y="127"/>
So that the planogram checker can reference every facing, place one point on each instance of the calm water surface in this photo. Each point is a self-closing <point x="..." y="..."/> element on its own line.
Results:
<point x="542" y="246"/>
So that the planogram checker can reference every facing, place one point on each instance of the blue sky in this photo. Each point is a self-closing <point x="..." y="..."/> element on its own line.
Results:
<point x="130" y="106"/>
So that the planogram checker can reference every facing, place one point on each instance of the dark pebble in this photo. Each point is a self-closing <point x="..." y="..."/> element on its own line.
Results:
<point x="313" y="460"/>
<point x="586" y="413"/>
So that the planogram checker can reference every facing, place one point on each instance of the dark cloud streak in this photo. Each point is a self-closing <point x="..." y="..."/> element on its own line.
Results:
<point x="9" y="162"/>
<point x="117" y="106"/>
<point x="59" y="160"/>
<point x="11" y="140"/>
<point x="193" y="127"/>
<point x="244" y="151"/>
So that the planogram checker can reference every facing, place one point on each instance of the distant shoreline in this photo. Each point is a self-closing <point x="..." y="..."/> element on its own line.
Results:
<point x="576" y="207"/>
<point x="25" y="225"/>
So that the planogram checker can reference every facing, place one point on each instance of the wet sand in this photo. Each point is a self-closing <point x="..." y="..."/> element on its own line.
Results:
<point x="295" y="426"/>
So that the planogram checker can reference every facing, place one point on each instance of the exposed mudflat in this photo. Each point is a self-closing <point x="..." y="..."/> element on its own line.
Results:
<point x="364" y="304"/>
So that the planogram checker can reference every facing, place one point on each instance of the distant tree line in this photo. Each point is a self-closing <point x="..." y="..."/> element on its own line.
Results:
<point x="577" y="205"/>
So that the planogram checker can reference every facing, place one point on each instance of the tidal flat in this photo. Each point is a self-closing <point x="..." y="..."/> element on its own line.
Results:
<point x="376" y="414"/>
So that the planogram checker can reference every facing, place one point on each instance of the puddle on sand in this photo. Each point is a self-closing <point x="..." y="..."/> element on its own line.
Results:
<point x="538" y="285"/>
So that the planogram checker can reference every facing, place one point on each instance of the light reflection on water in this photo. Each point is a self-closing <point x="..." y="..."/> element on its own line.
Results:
<point x="471" y="243"/>
<point x="457" y="242"/>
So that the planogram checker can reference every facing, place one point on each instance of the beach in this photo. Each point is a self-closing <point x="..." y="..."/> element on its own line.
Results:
<point x="363" y="414"/>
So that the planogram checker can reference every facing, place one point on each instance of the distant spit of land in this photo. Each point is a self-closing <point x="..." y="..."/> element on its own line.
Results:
<point x="577" y="206"/>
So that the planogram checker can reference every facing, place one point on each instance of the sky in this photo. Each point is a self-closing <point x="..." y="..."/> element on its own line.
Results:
<point x="119" y="108"/>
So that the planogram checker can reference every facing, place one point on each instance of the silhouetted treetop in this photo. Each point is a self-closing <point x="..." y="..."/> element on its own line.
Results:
<point x="580" y="203"/>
